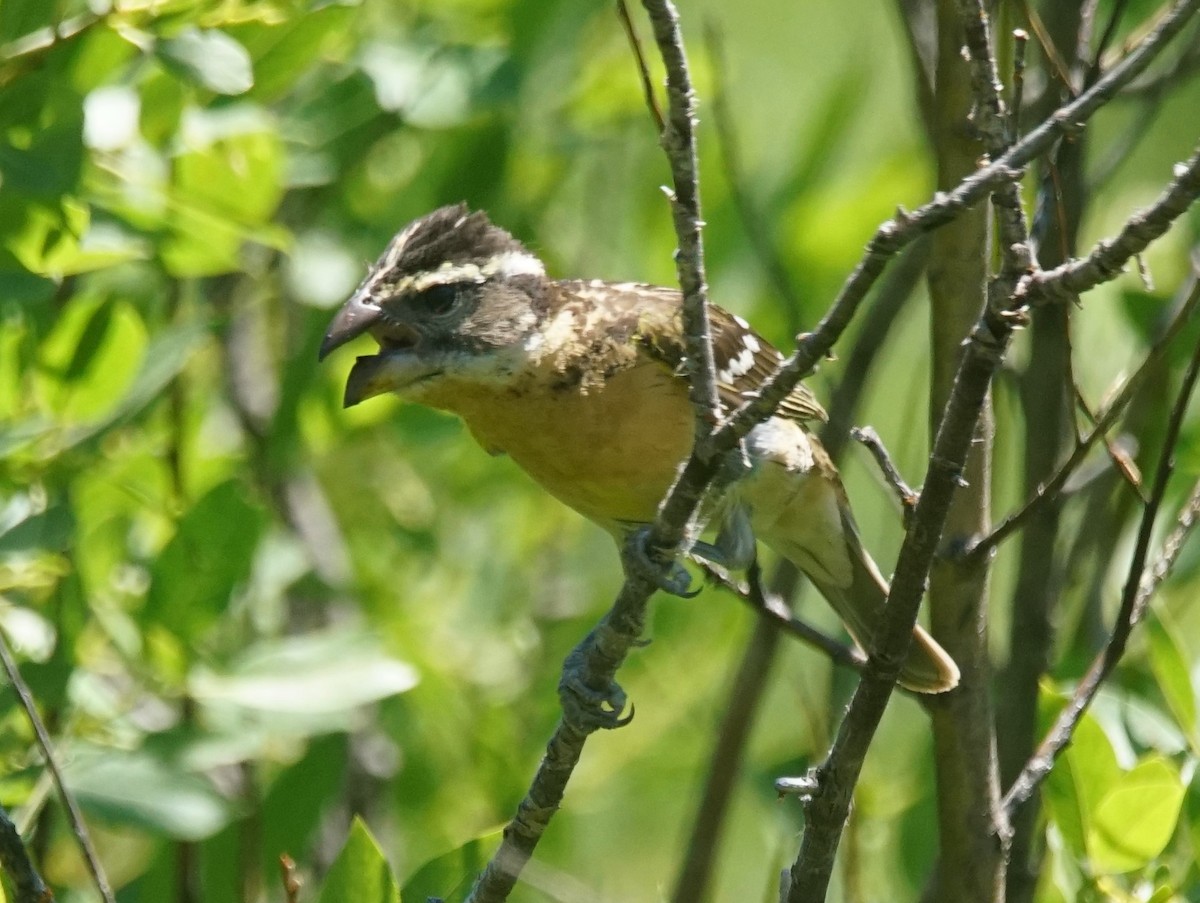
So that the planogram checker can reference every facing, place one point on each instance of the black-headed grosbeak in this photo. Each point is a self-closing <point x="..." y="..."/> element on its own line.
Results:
<point x="580" y="383"/>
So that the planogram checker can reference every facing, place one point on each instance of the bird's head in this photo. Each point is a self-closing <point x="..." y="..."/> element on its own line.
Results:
<point x="450" y="291"/>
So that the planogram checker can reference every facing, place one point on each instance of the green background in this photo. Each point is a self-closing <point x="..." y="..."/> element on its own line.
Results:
<point x="248" y="614"/>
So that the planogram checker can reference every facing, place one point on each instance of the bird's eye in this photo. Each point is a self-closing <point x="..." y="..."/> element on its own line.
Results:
<point x="438" y="299"/>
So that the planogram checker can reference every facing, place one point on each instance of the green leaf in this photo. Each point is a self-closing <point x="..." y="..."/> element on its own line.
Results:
<point x="210" y="58"/>
<point x="1171" y="672"/>
<point x="165" y="355"/>
<point x="1080" y="778"/>
<point x="310" y="677"/>
<point x="283" y="53"/>
<point x="52" y="528"/>
<point x="449" y="877"/>
<point x="139" y="789"/>
<point x="208" y="558"/>
<point x="360" y="874"/>
<point x="1135" y="820"/>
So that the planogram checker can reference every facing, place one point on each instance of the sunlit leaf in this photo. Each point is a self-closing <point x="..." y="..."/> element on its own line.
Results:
<point x="311" y="676"/>
<point x="1135" y="819"/>
<point x="360" y="873"/>
<point x="1081" y="777"/>
<point x="1172" y="673"/>
<point x="210" y="58"/>
<point x="140" y="790"/>
<point x="449" y="877"/>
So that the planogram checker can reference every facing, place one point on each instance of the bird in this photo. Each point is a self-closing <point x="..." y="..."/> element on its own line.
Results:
<point x="582" y="383"/>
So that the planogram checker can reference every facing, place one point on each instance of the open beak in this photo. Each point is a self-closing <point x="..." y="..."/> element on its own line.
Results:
<point x="396" y="365"/>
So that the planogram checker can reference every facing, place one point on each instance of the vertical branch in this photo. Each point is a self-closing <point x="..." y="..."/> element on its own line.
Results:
<point x="972" y="829"/>
<point x="1140" y="583"/>
<point x="1045" y="399"/>
<point x="695" y="874"/>
<point x="678" y="141"/>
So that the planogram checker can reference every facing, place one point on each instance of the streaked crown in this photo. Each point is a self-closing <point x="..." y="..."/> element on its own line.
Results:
<point x="452" y="245"/>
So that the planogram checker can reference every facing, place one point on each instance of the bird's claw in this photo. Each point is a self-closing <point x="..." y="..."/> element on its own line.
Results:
<point x="674" y="579"/>
<point x="590" y="709"/>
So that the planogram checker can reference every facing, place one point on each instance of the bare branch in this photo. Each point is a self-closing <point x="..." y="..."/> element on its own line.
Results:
<point x="773" y="609"/>
<point x="1013" y="522"/>
<point x="594" y="662"/>
<point x="906" y="495"/>
<point x="635" y="45"/>
<point x="1108" y="259"/>
<point x="74" y="816"/>
<point x="900" y="231"/>
<point x="28" y="884"/>
<point x="1140" y="585"/>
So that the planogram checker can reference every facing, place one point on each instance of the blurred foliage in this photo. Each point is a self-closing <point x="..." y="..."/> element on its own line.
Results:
<point x="250" y="617"/>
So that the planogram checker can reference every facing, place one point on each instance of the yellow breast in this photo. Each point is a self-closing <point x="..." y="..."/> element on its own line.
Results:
<point x="608" y="450"/>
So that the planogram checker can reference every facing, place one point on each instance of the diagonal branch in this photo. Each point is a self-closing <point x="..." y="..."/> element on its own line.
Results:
<point x="74" y="815"/>
<point x="983" y="352"/>
<point x="1104" y="422"/>
<point x="1140" y="585"/>
<point x="1108" y="259"/>
<point x="602" y="652"/>
<point x="27" y="883"/>
<point x="904" y="228"/>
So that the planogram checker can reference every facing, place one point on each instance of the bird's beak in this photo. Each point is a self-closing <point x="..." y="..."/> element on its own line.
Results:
<point x="356" y="317"/>
<point x="395" y="367"/>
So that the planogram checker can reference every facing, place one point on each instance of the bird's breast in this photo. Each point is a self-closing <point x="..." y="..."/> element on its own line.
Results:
<point x="609" y="448"/>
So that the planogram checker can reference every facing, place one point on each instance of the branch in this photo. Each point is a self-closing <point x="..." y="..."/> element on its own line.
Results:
<point x="902" y="230"/>
<point x="605" y="648"/>
<point x="905" y="494"/>
<point x="594" y="662"/>
<point x="74" y="816"/>
<point x="14" y="858"/>
<point x="746" y="694"/>
<point x="1013" y="522"/>
<point x="1108" y="258"/>
<point x="1140" y="585"/>
<point x="774" y="610"/>
<point x="639" y="57"/>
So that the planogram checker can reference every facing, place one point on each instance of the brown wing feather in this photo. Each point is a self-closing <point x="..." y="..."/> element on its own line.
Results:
<point x="744" y="359"/>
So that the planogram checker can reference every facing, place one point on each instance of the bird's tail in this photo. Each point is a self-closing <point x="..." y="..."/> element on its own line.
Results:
<point x="929" y="668"/>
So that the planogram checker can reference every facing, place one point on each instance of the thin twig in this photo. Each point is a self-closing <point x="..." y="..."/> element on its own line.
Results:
<point x="1140" y="584"/>
<point x="772" y="608"/>
<point x="74" y="816"/>
<point x="1020" y="43"/>
<point x="904" y="228"/>
<point x="635" y="44"/>
<point x="593" y="664"/>
<point x="1110" y="30"/>
<point x="906" y="495"/>
<point x="28" y="884"/>
<point x="1120" y="459"/>
<point x="1013" y="522"/>
<point x="1046" y="42"/>
<point x="1108" y="259"/>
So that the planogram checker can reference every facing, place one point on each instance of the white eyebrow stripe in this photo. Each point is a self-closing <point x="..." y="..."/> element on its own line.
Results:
<point x="503" y="266"/>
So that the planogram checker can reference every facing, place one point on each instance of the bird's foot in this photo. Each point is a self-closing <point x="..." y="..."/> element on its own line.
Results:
<point x="673" y="579"/>
<point x="586" y="707"/>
